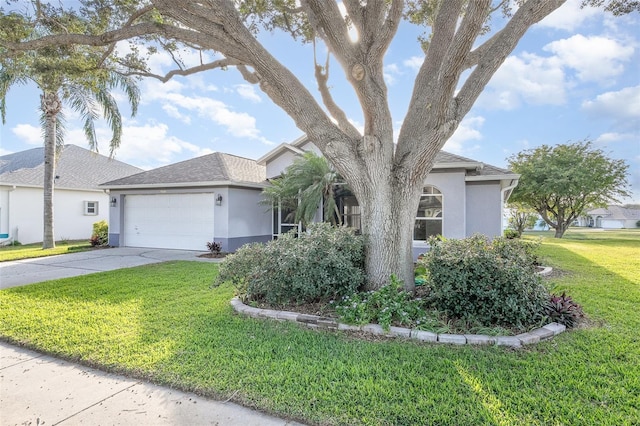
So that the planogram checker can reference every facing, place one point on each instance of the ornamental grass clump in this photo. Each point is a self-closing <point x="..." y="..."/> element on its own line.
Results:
<point x="489" y="283"/>
<point x="319" y="265"/>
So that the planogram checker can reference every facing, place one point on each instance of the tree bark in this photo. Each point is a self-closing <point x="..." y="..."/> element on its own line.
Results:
<point x="388" y="210"/>
<point x="50" y="105"/>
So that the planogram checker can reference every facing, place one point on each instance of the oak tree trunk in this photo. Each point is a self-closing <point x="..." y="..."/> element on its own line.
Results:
<point x="51" y="105"/>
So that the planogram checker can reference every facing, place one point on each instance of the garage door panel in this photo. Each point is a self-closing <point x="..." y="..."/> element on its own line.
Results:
<point x="180" y="221"/>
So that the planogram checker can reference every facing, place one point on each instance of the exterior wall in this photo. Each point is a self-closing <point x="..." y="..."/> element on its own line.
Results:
<point x="6" y="228"/>
<point x="452" y="186"/>
<point x="248" y="220"/>
<point x="276" y="165"/>
<point x="484" y="209"/>
<point x="310" y="146"/>
<point x="21" y="211"/>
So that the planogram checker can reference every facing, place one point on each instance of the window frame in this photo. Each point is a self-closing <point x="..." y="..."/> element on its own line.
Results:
<point x="430" y="191"/>
<point x="91" y="205"/>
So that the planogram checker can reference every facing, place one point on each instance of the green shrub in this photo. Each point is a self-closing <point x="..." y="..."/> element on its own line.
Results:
<point x="511" y="234"/>
<point x="489" y="283"/>
<point x="322" y="264"/>
<point x="100" y="234"/>
<point x="388" y="305"/>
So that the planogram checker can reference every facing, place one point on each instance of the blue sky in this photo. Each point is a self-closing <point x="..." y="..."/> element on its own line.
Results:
<point x="575" y="75"/>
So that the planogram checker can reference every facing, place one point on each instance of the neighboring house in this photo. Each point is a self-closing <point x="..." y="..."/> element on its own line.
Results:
<point x="78" y="201"/>
<point x="611" y="217"/>
<point x="216" y="198"/>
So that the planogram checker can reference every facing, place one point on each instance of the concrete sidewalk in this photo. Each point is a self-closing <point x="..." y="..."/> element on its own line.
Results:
<point x="29" y="271"/>
<point x="40" y="390"/>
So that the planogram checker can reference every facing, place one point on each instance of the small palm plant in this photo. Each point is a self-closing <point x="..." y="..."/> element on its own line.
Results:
<point x="304" y="186"/>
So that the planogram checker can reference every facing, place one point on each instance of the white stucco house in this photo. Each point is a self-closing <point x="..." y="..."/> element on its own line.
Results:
<point x="78" y="200"/>
<point x="611" y="217"/>
<point x="217" y="197"/>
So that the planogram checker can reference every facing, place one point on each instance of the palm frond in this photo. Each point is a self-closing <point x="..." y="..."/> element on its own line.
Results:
<point x="306" y="184"/>
<point x="128" y="85"/>
<point x="111" y="113"/>
<point x="7" y="80"/>
<point x="81" y="100"/>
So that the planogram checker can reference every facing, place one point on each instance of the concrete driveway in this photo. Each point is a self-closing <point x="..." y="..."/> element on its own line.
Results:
<point x="28" y="271"/>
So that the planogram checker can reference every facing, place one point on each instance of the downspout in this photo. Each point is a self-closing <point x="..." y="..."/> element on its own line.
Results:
<point x="505" y="193"/>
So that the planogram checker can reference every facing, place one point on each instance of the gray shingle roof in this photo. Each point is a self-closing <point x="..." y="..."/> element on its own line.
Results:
<point x="77" y="167"/>
<point x="616" y="212"/>
<point x="216" y="167"/>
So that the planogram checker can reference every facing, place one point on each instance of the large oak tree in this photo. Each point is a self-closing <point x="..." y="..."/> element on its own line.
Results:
<point x="386" y="178"/>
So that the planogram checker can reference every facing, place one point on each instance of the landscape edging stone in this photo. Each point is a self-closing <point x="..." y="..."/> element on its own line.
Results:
<point x="317" y="322"/>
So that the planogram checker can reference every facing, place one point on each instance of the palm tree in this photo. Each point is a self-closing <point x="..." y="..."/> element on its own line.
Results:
<point x="304" y="186"/>
<point x="79" y="78"/>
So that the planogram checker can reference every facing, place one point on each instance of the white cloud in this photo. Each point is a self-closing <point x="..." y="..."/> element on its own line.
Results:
<point x="594" y="58"/>
<point x="172" y="111"/>
<point x="469" y="130"/>
<point x="174" y="103"/>
<point x="414" y="62"/>
<point x="247" y="91"/>
<point x="150" y="145"/>
<point x="569" y="16"/>
<point x="612" y="137"/>
<point x="29" y="134"/>
<point x="527" y="78"/>
<point x="621" y="106"/>
<point x="390" y="73"/>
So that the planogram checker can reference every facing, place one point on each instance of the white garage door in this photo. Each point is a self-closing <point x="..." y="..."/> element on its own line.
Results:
<point x="178" y="221"/>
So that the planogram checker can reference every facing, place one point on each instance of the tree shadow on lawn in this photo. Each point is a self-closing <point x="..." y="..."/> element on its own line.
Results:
<point x="176" y="331"/>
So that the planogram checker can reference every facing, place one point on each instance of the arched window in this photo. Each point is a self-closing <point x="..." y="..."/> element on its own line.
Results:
<point x="429" y="216"/>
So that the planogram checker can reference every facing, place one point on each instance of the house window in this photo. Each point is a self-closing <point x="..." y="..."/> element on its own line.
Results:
<point x="429" y="217"/>
<point x="350" y="212"/>
<point x="90" y="208"/>
<point x="283" y="220"/>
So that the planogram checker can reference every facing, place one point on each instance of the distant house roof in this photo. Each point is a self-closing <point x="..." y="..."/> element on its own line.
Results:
<point x="77" y="168"/>
<point x="616" y="213"/>
<point x="213" y="169"/>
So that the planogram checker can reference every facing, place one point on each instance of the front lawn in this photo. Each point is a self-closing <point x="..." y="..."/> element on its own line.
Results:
<point x="164" y="322"/>
<point x="28" y="251"/>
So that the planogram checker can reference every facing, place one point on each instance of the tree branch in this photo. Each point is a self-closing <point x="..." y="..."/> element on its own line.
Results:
<point x="336" y="112"/>
<point x="389" y="26"/>
<point x="528" y="14"/>
<point x="221" y="63"/>
<point x="129" y="22"/>
<point x="329" y="24"/>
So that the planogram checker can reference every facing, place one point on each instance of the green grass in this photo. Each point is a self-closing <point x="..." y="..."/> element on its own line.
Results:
<point x="28" y="251"/>
<point x="164" y="322"/>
